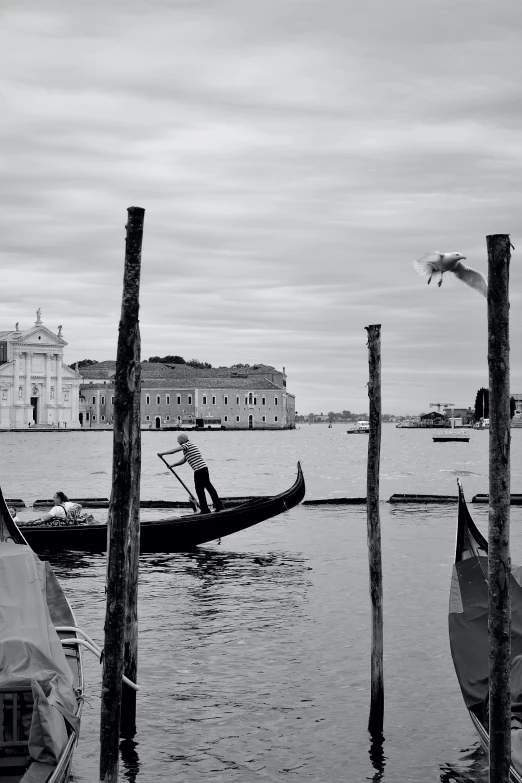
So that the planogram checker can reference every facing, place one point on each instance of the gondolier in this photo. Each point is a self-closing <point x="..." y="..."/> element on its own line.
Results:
<point x="192" y="455"/>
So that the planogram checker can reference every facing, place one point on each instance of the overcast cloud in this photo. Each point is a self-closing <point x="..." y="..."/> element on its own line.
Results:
<point x="293" y="157"/>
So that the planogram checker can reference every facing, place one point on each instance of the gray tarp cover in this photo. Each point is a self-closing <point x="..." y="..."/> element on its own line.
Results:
<point x="29" y="645"/>
<point x="468" y="625"/>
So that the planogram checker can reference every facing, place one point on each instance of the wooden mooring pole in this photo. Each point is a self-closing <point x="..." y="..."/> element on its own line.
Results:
<point x="123" y="518"/>
<point x="376" y="719"/>
<point x="130" y="327"/>
<point x="499" y="568"/>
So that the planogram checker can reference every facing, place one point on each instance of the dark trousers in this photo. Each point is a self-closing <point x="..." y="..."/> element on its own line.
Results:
<point x="202" y="483"/>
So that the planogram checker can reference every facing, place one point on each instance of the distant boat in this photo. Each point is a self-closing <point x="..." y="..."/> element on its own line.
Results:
<point x="451" y="436"/>
<point x="361" y="428"/>
<point x="468" y="625"/>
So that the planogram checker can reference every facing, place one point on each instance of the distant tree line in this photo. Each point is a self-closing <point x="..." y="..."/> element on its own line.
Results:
<point x="83" y="363"/>
<point x="179" y="360"/>
<point x="331" y="416"/>
<point x="482" y="405"/>
<point x="155" y="359"/>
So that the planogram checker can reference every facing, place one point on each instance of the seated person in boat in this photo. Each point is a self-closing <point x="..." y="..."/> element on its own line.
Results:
<point x="191" y="454"/>
<point x="64" y="512"/>
<point x="12" y="511"/>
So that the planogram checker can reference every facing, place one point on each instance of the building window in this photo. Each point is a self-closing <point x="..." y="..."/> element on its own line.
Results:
<point x="147" y="418"/>
<point x="225" y="400"/>
<point x="275" y="400"/>
<point x="204" y="399"/>
<point x="167" y="418"/>
<point x="158" y="399"/>
<point x="250" y="399"/>
<point x="263" y="400"/>
<point x="94" y="418"/>
<point x="213" y="400"/>
<point x="112" y="400"/>
<point x="167" y="399"/>
<point x="190" y="399"/>
<point x="275" y="418"/>
<point x="226" y="418"/>
<point x="147" y="400"/>
<point x="246" y="400"/>
<point x="237" y="418"/>
<point x="264" y="418"/>
<point x="103" y="418"/>
<point x="255" y="400"/>
<point x="94" y="400"/>
<point x="103" y="400"/>
<point x="178" y="399"/>
<point x="237" y="400"/>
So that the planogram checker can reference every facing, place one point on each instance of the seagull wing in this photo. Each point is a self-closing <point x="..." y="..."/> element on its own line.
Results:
<point x="428" y="263"/>
<point x="472" y="278"/>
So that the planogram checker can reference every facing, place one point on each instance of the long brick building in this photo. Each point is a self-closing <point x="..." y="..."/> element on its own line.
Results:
<point x="178" y="395"/>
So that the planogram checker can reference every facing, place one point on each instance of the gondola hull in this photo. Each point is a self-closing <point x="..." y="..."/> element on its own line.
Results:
<point x="174" y="534"/>
<point x="468" y="621"/>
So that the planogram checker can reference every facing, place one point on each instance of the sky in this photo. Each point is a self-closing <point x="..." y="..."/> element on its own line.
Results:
<point x="293" y="157"/>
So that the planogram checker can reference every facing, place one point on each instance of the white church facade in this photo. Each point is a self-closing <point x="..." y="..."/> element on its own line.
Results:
<point x="36" y="387"/>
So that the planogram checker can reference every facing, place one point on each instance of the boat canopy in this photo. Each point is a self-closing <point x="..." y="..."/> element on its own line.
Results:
<point x="32" y="662"/>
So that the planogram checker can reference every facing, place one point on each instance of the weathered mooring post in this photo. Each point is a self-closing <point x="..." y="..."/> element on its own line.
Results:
<point x="376" y="719"/>
<point x="499" y="569"/>
<point x="123" y="518"/>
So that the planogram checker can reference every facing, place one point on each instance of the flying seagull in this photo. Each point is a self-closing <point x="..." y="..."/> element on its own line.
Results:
<point x="431" y="263"/>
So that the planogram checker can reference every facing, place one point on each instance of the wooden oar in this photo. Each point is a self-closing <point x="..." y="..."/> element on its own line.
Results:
<point x="191" y="496"/>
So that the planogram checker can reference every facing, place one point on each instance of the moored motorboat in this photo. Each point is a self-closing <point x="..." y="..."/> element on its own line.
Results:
<point x="468" y="622"/>
<point x="362" y="427"/>
<point x="173" y="534"/>
<point x="41" y="678"/>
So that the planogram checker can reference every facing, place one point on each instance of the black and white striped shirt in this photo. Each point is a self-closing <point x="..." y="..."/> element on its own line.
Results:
<point x="194" y="458"/>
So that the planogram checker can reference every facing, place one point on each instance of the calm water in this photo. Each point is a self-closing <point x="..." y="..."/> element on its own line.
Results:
<point x="254" y="655"/>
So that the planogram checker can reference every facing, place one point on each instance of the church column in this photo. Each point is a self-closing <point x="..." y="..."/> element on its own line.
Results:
<point x="16" y="377"/>
<point x="28" y="356"/>
<point x="59" y="395"/>
<point x="48" y="357"/>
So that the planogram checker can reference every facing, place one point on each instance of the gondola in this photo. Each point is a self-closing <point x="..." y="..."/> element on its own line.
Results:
<point x="173" y="534"/>
<point x="468" y="621"/>
<point x="41" y="676"/>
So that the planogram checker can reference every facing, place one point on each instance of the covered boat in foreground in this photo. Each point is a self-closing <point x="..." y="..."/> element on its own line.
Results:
<point x="468" y="629"/>
<point x="174" y="534"/>
<point x="41" y="679"/>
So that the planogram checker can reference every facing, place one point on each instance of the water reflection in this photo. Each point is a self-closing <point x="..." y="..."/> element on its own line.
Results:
<point x="130" y="761"/>
<point x="377" y="756"/>
<point x="67" y="562"/>
<point x="470" y="768"/>
<point x="210" y="566"/>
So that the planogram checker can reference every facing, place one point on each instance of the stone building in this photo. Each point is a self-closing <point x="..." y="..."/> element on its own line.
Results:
<point x="176" y="396"/>
<point x="36" y="387"/>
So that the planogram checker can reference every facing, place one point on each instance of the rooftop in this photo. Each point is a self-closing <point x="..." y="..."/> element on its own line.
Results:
<point x="205" y="384"/>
